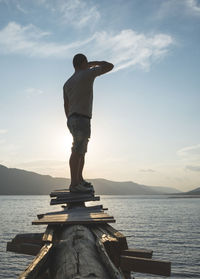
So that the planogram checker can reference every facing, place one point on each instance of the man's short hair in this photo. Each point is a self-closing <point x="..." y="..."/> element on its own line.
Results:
<point x="79" y="59"/>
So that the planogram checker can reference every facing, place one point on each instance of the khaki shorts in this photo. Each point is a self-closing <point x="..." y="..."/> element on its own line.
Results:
<point x="79" y="127"/>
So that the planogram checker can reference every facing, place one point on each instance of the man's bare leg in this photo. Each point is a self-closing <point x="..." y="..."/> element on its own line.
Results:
<point x="74" y="163"/>
<point x="81" y="165"/>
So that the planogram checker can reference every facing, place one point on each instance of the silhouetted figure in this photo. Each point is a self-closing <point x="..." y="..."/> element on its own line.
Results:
<point x="78" y="97"/>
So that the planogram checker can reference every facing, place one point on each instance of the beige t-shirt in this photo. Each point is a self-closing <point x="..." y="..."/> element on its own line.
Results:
<point x="78" y="90"/>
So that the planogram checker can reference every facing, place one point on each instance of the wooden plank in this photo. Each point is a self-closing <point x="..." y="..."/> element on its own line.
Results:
<point x="69" y="194"/>
<point x="110" y="243"/>
<point x="74" y="197"/>
<point x="140" y="253"/>
<point x="72" y="222"/>
<point x="143" y="265"/>
<point x="48" y="234"/>
<point x="57" y="201"/>
<point x="94" y="209"/>
<point x="24" y="248"/>
<point x="78" y="216"/>
<point x="37" y="264"/>
<point x="120" y="237"/>
<point x="33" y="238"/>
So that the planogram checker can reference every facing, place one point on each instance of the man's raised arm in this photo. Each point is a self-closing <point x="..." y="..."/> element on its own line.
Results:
<point x="105" y="66"/>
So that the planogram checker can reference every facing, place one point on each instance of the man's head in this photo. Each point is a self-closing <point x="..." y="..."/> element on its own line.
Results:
<point x="80" y="61"/>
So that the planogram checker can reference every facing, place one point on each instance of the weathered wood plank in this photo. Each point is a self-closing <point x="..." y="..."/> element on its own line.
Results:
<point x="33" y="238"/>
<point x="140" y="253"/>
<point x="110" y="243"/>
<point x="120" y="237"/>
<point x="48" y="234"/>
<point x="37" y="264"/>
<point x="70" y="195"/>
<point x="73" y="222"/>
<point x="74" y="200"/>
<point x="143" y="265"/>
<point x="24" y="248"/>
<point x="96" y="208"/>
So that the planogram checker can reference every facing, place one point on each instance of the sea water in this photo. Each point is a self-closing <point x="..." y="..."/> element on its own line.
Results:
<point x="169" y="227"/>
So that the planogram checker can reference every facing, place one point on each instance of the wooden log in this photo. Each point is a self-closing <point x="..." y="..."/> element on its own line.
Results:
<point x="143" y="265"/>
<point x="38" y="265"/>
<point x="140" y="253"/>
<point x="77" y="256"/>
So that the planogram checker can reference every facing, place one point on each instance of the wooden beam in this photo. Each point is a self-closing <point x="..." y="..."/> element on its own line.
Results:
<point x="38" y="264"/>
<point x="48" y="234"/>
<point x="140" y="253"/>
<point x="110" y="243"/>
<point x="143" y="265"/>
<point x="34" y="238"/>
<point x="75" y="218"/>
<point x="120" y="237"/>
<point x="24" y="248"/>
<point x="74" y="200"/>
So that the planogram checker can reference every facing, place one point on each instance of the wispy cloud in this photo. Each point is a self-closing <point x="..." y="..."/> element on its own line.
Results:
<point x="78" y="12"/>
<point x="29" y="40"/>
<point x="34" y="92"/>
<point x="125" y="49"/>
<point x="190" y="154"/>
<point x="178" y="7"/>
<point x="193" y="168"/>
<point x="3" y="131"/>
<point x="193" y="5"/>
<point x="147" y="170"/>
<point x="129" y="48"/>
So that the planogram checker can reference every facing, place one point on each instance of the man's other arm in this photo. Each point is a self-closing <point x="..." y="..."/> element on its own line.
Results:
<point x="105" y="66"/>
<point x="66" y="104"/>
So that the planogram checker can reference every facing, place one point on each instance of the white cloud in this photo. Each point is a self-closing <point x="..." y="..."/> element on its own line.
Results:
<point x="125" y="49"/>
<point x="177" y="7"/>
<point x="78" y="12"/>
<point x="147" y="170"/>
<point x="15" y="38"/>
<point x="129" y="48"/>
<point x="193" y="168"/>
<point x="34" y="92"/>
<point x="3" y="131"/>
<point x="190" y="154"/>
<point x="193" y="5"/>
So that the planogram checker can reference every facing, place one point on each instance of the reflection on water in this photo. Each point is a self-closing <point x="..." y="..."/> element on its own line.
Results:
<point x="170" y="227"/>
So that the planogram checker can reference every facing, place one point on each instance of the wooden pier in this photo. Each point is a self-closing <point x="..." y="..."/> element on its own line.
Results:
<point x="80" y="243"/>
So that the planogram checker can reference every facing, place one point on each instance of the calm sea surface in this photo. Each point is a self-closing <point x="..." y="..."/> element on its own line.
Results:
<point x="170" y="227"/>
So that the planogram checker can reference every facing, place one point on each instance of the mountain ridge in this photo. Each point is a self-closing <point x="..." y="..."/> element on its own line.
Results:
<point x="15" y="181"/>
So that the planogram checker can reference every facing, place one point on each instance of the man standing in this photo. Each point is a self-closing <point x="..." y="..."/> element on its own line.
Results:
<point x="78" y="98"/>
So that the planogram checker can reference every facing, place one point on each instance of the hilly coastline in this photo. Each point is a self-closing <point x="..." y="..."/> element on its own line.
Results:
<point x="21" y="182"/>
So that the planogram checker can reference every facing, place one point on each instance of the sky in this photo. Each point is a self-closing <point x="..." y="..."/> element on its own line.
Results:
<point x="145" y="124"/>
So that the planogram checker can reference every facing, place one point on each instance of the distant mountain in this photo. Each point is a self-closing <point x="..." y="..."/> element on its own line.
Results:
<point x="20" y="182"/>
<point x="194" y="192"/>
